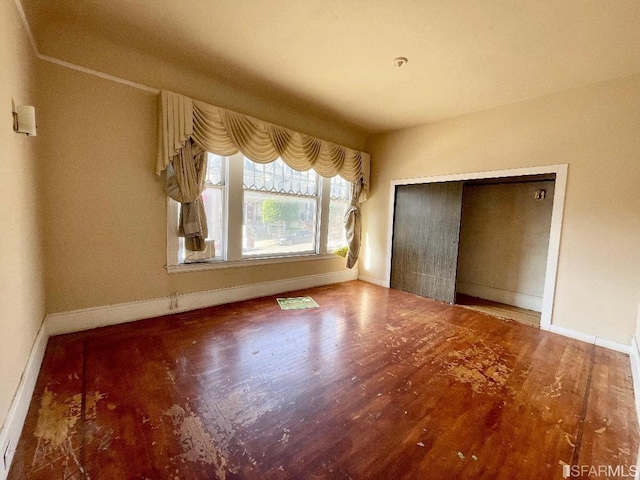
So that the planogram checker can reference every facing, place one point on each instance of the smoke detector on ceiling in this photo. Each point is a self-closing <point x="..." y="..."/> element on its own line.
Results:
<point x="400" y="61"/>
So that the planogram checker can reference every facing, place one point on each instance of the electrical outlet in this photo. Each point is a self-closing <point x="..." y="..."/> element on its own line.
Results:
<point x="174" y="301"/>
<point x="540" y="194"/>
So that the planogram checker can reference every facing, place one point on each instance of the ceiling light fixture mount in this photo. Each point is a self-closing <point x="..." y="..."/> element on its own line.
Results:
<point x="400" y="61"/>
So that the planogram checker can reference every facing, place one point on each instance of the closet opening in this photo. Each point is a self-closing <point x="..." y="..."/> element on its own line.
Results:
<point x="503" y="247"/>
<point x="488" y="240"/>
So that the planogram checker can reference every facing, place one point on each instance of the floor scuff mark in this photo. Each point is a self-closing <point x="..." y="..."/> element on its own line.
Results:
<point x="244" y="407"/>
<point x="479" y="366"/>
<point x="197" y="445"/>
<point x="567" y="437"/>
<point x="555" y="389"/>
<point x="56" y="420"/>
<point x="285" y="436"/>
<point x="56" y="428"/>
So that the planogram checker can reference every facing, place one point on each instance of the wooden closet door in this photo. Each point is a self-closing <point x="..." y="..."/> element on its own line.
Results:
<point x="426" y="236"/>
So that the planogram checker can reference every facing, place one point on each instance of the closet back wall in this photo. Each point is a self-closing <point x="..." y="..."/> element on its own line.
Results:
<point x="504" y="241"/>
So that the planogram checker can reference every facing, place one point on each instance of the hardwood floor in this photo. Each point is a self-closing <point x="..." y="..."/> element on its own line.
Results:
<point x="374" y="384"/>
<point x="500" y="310"/>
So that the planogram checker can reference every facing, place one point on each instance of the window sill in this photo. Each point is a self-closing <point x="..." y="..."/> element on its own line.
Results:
<point x="245" y="262"/>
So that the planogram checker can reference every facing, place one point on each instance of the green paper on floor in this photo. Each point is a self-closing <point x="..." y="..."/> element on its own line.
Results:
<point x="295" y="303"/>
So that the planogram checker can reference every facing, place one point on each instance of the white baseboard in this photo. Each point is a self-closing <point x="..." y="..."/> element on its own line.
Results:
<point x="12" y="427"/>
<point x="592" y="339"/>
<point x="88" y="318"/>
<point x="374" y="281"/>
<point x="517" y="299"/>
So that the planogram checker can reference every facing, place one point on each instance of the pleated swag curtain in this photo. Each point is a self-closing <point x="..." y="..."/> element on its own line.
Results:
<point x="189" y="128"/>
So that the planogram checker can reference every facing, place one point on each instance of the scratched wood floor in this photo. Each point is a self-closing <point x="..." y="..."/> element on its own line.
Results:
<point x="374" y="384"/>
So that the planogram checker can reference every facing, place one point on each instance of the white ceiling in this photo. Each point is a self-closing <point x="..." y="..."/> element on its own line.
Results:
<point x="464" y="55"/>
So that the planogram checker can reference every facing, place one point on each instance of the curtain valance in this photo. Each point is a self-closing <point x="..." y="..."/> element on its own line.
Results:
<point x="225" y="132"/>
<point x="187" y="128"/>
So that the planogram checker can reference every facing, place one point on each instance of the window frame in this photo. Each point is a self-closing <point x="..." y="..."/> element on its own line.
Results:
<point x="233" y="193"/>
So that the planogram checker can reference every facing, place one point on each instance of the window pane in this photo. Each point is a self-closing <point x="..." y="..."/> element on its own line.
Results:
<point x="214" y="207"/>
<point x="278" y="224"/>
<point x="279" y="209"/>
<point x="340" y="188"/>
<point x="215" y="169"/>
<point x="338" y="204"/>
<point x="278" y="177"/>
<point x="213" y="199"/>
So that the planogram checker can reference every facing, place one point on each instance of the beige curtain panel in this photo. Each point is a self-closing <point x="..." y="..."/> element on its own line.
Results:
<point x="225" y="132"/>
<point x="185" y="184"/>
<point x="353" y="225"/>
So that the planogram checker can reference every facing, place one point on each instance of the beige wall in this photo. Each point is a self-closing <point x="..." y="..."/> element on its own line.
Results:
<point x="637" y="333"/>
<point x="504" y="241"/>
<point x="104" y="55"/>
<point x="21" y="285"/>
<point x="105" y="213"/>
<point x="593" y="129"/>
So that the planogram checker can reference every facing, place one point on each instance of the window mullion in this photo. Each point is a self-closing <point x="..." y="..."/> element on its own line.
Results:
<point x="235" y="172"/>
<point x="324" y="198"/>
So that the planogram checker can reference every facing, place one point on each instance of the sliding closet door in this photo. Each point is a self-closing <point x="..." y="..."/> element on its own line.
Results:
<point x="426" y="234"/>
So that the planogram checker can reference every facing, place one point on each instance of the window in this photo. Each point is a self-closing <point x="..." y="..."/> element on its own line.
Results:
<point x="263" y="211"/>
